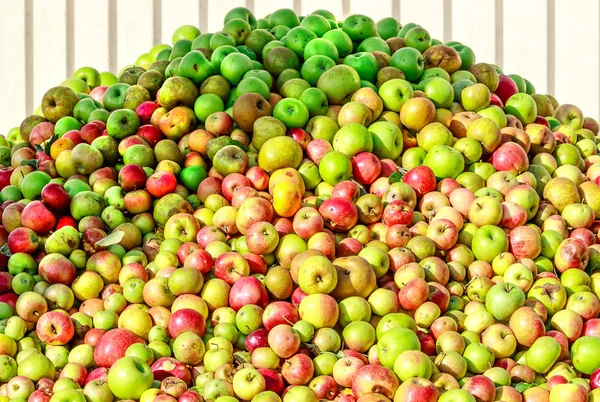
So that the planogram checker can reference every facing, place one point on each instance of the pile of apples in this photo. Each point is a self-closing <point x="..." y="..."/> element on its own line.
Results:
<point x="300" y="209"/>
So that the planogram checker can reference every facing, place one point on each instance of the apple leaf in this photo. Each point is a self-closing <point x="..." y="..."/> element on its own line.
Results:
<point x="113" y="238"/>
<point x="523" y="386"/>
<point x="31" y="162"/>
<point x="5" y="250"/>
<point x="238" y="144"/>
<point x="49" y="143"/>
<point x="395" y="177"/>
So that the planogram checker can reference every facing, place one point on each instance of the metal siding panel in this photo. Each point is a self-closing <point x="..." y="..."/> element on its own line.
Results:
<point x="525" y="41"/>
<point x="12" y="69"/>
<point x="91" y="46"/>
<point x="377" y="11"/>
<point x="428" y="13"/>
<point x="49" y="46"/>
<point x="134" y="31"/>
<point x="474" y="24"/>
<point x="577" y="49"/>
<point x="176" y="13"/>
<point x="217" y="10"/>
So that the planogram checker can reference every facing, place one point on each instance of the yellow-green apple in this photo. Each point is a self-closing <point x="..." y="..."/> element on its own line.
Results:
<point x="320" y="310"/>
<point x="543" y="354"/>
<point x="550" y="293"/>
<point x="372" y="378"/>
<point x="542" y="139"/>
<point x="479" y="357"/>
<point x="485" y="210"/>
<point x="503" y="299"/>
<point x="284" y="340"/>
<point x="585" y="346"/>
<point x="569" y="115"/>
<point x="317" y="275"/>
<point x="248" y="382"/>
<point x="417" y="112"/>
<point x="475" y="97"/>
<point x="571" y="253"/>
<point x="500" y="339"/>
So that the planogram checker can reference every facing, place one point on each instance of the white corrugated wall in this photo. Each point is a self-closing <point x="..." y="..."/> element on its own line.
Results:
<point x="554" y="43"/>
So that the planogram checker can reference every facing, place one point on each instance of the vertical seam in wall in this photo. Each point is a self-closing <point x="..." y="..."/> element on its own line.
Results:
<point x="396" y="10"/>
<point x="297" y="6"/>
<point x="203" y="14"/>
<point x="499" y="30"/>
<point x="447" y="20"/>
<point x="70" y="11"/>
<point x="250" y="5"/>
<point x="112" y="36"/>
<point x="551" y="34"/>
<point x="29" y="56"/>
<point x="345" y="8"/>
<point x="156" y="22"/>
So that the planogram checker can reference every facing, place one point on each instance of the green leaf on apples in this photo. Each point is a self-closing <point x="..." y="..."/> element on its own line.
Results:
<point x="395" y="177"/>
<point x="5" y="250"/>
<point x="49" y="143"/>
<point x="112" y="239"/>
<point x="39" y="148"/>
<point x="239" y="144"/>
<point x="523" y="386"/>
<point x="31" y="162"/>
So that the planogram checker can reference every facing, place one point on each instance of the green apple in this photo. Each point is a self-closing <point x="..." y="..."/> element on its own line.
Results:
<point x="335" y="167"/>
<point x="388" y="27"/>
<point x="433" y="134"/>
<point x="488" y="242"/>
<point x="467" y="56"/>
<point x="393" y="342"/>
<point x="523" y="107"/>
<point x="188" y="32"/>
<point x="543" y="354"/>
<point x="387" y="139"/>
<point x="394" y="93"/>
<point x="297" y="39"/>
<point x="365" y="65"/>
<point x="585" y="353"/>
<point x="418" y="38"/>
<point x="456" y="395"/>
<point x="339" y="83"/>
<point x="314" y="67"/>
<point x="479" y="357"/>
<point x="352" y="139"/>
<point x="446" y="162"/>
<point x="234" y="66"/>
<point x="341" y="40"/>
<point x="440" y="92"/>
<point x="195" y="67"/>
<point x="495" y="114"/>
<point x="217" y="56"/>
<point x="315" y="101"/>
<point x="129" y="377"/>
<point x="503" y="299"/>
<point x="107" y="78"/>
<point x="36" y="367"/>
<point x="471" y="151"/>
<point x="207" y="104"/>
<point x="316" y="23"/>
<point x="410" y="61"/>
<point x="88" y="74"/>
<point x="242" y="13"/>
<point x="475" y="97"/>
<point x="291" y="112"/>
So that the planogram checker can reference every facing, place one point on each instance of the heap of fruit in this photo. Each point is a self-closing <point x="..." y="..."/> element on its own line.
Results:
<point x="299" y="209"/>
